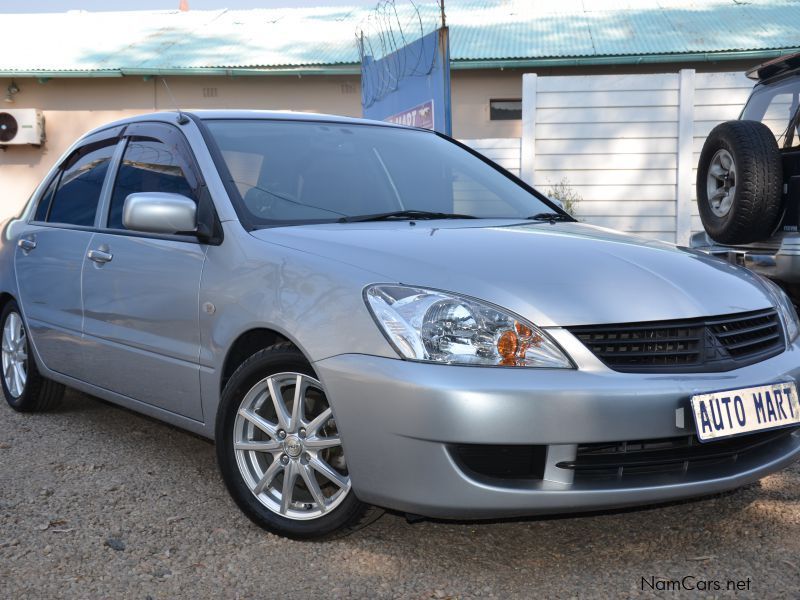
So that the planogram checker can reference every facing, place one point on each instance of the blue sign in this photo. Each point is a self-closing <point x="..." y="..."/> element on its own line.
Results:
<point x="411" y="85"/>
<point x="419" y="116"/>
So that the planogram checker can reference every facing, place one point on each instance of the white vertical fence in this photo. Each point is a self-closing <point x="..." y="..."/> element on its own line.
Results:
<point x="613" y="140"/>
<point x="504" y="151"/>
<point x="626" y="144"/>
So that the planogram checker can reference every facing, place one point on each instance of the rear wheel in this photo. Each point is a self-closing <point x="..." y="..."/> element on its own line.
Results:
<point x="24" y="388"/>
<point x="279" y="449"/>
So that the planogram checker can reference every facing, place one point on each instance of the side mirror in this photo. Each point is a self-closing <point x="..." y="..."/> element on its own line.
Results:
<point x="159" y="212"/>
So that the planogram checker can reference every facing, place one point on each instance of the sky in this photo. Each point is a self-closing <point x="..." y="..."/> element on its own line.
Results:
<point x="28" y="6"/>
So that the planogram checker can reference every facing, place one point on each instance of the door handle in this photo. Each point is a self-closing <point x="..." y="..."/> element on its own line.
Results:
<point x="99" y="256"/>
<point x="26" y="244"/>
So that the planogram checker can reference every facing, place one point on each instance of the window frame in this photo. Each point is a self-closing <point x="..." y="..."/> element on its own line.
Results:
<point x="493" y="100"/>
<point x="792" y="83"/>
<point x="159" y="131"/>
<point x="122" y="133"/>
<point x="250" y="224"/>
<point x="47" y="194"/>
<point x="58" y="171"/>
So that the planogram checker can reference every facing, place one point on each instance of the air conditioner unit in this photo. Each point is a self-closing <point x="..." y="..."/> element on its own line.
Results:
<point x="20" y="126"/>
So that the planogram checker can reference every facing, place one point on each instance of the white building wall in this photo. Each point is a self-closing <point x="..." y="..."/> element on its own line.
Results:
<point x="628" y="145"/>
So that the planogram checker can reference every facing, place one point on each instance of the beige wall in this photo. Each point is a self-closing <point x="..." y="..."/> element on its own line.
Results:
<point x="74" y="106"/>
<point x="470" y="94"/>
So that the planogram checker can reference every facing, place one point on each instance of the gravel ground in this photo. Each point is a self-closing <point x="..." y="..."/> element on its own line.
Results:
<point x="98" y="502"/>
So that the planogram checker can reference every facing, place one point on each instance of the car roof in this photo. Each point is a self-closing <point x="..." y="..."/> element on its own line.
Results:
<point x="783" y="65"/>
<point x="271" y="115"/>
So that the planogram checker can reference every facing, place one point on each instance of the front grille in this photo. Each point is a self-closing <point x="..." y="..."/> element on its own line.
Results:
<point x="709" y="344"/>
<point x="748" y="334"/>
<point x="680" y="455"/>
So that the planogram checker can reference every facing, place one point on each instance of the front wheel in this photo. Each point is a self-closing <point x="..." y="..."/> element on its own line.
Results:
<point x="279" y="449"/>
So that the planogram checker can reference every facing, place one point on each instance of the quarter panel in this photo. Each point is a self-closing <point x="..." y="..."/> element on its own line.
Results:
<point x="8" y="247"/>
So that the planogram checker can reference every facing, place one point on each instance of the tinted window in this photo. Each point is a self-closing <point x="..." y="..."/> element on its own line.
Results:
<point x="775" y="106"/>
<point x="294" y="172"/>
<point x="75" y="200"/>
<point x="44" y="201"/>
<point x="505" y="110"/>
<point x="148" y="165"/>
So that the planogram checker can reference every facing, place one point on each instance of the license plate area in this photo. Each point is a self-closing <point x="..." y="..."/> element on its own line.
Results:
<point x="719" y="415"/>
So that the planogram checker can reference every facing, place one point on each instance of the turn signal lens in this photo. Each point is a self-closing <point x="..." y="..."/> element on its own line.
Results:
<point x="514" y="345"/>
<point x="523" y="330"/>
<point x="507" y="344"/>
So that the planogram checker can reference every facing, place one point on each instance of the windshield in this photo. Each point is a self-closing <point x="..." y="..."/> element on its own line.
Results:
<point x="290" y="172"/>
<point x="775" y="105"/>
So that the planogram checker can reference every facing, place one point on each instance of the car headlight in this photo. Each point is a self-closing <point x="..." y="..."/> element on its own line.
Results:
<point x="791" y="323"/>
<point x="433" y="326"/>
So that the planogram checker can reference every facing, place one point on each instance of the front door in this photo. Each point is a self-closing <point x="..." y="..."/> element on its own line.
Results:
<point x="140" y="292"/>
<point x="50" y="253"/>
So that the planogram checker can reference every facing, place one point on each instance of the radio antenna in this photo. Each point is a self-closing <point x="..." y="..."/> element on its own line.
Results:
<point x="182" y="118"/>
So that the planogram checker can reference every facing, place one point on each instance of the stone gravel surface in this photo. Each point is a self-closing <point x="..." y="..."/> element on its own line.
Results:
<point x="99" y="502"/>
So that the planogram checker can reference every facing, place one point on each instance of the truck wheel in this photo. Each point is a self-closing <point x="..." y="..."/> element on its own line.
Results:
<point x="740" y="182"/>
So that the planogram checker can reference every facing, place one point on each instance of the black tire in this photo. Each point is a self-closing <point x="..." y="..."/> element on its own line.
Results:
<point x="351" y="514"/>
<point x="38" y="393"/>
<point x="756" y="204"/>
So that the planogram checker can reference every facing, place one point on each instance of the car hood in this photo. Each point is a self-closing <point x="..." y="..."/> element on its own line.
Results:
<point x="551" y="273"/>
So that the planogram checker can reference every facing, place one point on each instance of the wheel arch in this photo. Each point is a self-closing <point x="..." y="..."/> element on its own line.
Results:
<point x="5" y="297"/>
<point x="245" y="345"/>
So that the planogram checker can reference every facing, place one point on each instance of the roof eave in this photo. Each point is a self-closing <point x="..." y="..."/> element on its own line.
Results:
<point x="337" y="69"/>
<point x="45" y="74"/>
<point x="343" y="69"/>
<point x="456" y="64"/>
<point x="638" y="59"/>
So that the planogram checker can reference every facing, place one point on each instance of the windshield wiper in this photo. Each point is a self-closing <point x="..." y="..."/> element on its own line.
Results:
<point x="550" y="217"/>
<point x="404" y="214"/>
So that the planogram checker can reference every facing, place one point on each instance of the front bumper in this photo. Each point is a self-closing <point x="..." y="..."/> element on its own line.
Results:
<point x="399" y="421"/>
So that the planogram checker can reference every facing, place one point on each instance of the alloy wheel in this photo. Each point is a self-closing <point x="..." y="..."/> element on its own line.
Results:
<point x="288" y="448"/>
<point x="15" y="355"/>
<point x="721" y="182"/>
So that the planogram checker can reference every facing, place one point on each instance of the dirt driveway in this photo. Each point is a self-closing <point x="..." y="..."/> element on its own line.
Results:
<point x="96" y="501"/>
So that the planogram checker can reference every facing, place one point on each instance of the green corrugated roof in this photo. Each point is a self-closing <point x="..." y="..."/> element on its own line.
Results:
<point x="483" y="33"/>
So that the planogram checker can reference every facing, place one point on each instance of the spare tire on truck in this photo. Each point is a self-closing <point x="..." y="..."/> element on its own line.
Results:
<point x="740" y="182"/>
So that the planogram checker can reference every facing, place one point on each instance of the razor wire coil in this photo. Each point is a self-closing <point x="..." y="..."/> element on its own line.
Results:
<point x="383" y="38"/>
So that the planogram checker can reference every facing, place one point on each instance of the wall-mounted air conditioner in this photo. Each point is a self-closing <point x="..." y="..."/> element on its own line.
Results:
<point x="19" y="126"/>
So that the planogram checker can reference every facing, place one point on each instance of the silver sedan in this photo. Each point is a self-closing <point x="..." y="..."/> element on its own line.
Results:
<point x="363" y="315"/>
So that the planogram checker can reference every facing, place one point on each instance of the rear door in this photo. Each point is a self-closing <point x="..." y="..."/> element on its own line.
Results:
<point x="140" y="291"/>
<point x="50" y="252"/>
